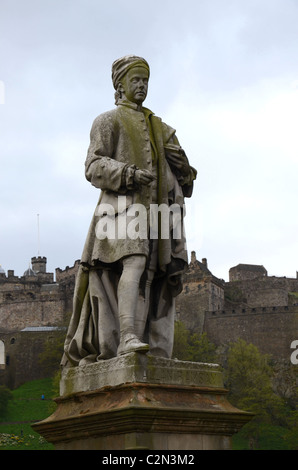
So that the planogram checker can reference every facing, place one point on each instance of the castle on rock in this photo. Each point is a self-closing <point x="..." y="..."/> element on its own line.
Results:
<point x="258" y="308"/>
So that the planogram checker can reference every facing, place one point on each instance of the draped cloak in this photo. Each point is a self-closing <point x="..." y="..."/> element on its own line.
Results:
<point x="121" y="141"/>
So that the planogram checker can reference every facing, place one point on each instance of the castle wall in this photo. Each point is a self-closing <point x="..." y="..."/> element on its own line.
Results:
<point x="34" y="299"/>
<point x="31" y="301"/>
<point x="262" y="291"/>
<point x="271" y="329"/>
<point x="21" y="351"/>
<point x="68" y="274"/>
<point x="201" y="292"/>
<point x="30" y="304"/>
<point x="43" y="312"/>
<point x="262" y="310"/>
<point x="198" y="296"/>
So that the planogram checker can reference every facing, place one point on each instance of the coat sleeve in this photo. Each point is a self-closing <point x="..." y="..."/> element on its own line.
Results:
<point x="186" y="180"/>
<point x="101" y="169"/>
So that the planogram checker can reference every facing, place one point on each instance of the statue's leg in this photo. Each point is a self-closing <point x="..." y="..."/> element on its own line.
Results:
<point x="144" y="306"/>
<point x="128" y="293"/>
<point x="144" y="302"/>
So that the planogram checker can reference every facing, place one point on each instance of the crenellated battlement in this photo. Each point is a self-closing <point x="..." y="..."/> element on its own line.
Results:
<point x="254" y="311"/>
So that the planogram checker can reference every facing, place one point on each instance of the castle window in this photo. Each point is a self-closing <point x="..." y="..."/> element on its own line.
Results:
<point x="12" y="341"/>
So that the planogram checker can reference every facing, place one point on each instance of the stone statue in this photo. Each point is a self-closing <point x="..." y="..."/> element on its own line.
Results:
<point x="135" y="253"/>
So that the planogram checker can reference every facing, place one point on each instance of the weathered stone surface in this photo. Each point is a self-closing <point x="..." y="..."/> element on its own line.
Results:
<point x="269" y="322"/>
<point x="141" y="368"/>
<point x="277" y="325"/>
<point x="140" y="401"/>
<point x="149" y="416"/>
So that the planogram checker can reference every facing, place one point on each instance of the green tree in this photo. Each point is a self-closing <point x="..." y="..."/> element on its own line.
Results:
<point x="249" y="380"/>
<point x="291" y="435"/>
<point x="5" y="397"/>
<point x="192" y="346"/>
<point x="201" y="349"/>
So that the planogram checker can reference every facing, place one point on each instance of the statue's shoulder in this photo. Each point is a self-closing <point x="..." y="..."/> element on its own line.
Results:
<point x="106" y="116"/>
<point x="104" y="122"/>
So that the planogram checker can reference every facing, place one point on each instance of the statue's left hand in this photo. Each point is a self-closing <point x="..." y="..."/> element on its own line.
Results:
<point x="179" y="161"/>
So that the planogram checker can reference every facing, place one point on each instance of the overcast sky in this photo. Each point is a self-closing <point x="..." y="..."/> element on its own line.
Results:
<point x="224" y="74"/>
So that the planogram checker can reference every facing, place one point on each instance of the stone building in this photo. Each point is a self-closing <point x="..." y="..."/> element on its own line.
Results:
<point x="20" y="351"/>
<point x="259" y="308"/>
<point x="202" y="292"/>
<point x="245" y="272"/>
<point x="33" y="309"/>
<point x="31" y="300"/>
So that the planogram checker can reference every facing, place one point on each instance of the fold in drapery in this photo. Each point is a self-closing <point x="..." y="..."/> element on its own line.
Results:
<point x="93" y="332"/>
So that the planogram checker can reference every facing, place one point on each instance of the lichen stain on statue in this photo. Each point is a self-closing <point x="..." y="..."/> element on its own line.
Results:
<point x="124" y="299"/>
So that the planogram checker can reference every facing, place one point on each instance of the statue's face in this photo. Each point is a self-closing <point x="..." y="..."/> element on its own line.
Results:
<point x="135" y="84"/>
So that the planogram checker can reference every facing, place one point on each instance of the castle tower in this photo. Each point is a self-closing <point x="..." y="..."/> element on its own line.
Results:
<point x="245" y="272"/>
<point x="39" y="264"/>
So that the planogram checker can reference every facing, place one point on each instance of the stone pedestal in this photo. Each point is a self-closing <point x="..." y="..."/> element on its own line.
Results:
<point x="139" y="401"/>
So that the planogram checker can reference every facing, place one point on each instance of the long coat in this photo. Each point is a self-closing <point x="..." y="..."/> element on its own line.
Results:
<point x="122" y="140"/>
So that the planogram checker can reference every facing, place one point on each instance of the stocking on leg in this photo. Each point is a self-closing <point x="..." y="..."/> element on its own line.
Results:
<point x="128" y="294"/>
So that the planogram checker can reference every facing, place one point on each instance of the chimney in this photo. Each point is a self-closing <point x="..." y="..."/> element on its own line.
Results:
<point x="204" y="262"/>
<point x="193" y="258"/>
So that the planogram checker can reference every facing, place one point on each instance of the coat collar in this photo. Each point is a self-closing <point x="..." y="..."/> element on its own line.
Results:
<point x="130" y="104"/>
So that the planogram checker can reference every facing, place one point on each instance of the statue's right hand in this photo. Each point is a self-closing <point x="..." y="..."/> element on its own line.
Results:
<point x="143" y="177"/>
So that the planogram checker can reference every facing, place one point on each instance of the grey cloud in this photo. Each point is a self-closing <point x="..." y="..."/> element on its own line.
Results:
<point x="56" y="61"/>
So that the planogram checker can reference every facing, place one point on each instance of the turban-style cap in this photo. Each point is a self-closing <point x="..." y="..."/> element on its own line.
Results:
<point x="121" y="66"/>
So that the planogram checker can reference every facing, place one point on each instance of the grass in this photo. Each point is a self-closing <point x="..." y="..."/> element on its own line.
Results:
<point x="26" y="407"/>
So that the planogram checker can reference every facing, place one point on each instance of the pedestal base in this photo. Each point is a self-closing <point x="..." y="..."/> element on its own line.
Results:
<point x="188" y="411"/>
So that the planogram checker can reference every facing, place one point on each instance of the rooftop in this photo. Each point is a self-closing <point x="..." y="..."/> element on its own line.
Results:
<point x="250" y="267"/>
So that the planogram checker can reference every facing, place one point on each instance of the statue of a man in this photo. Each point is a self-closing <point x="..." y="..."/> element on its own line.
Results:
<point x="126" y="285"/>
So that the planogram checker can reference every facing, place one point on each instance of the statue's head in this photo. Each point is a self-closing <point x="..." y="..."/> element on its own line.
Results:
<point x="130" y="76"/>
